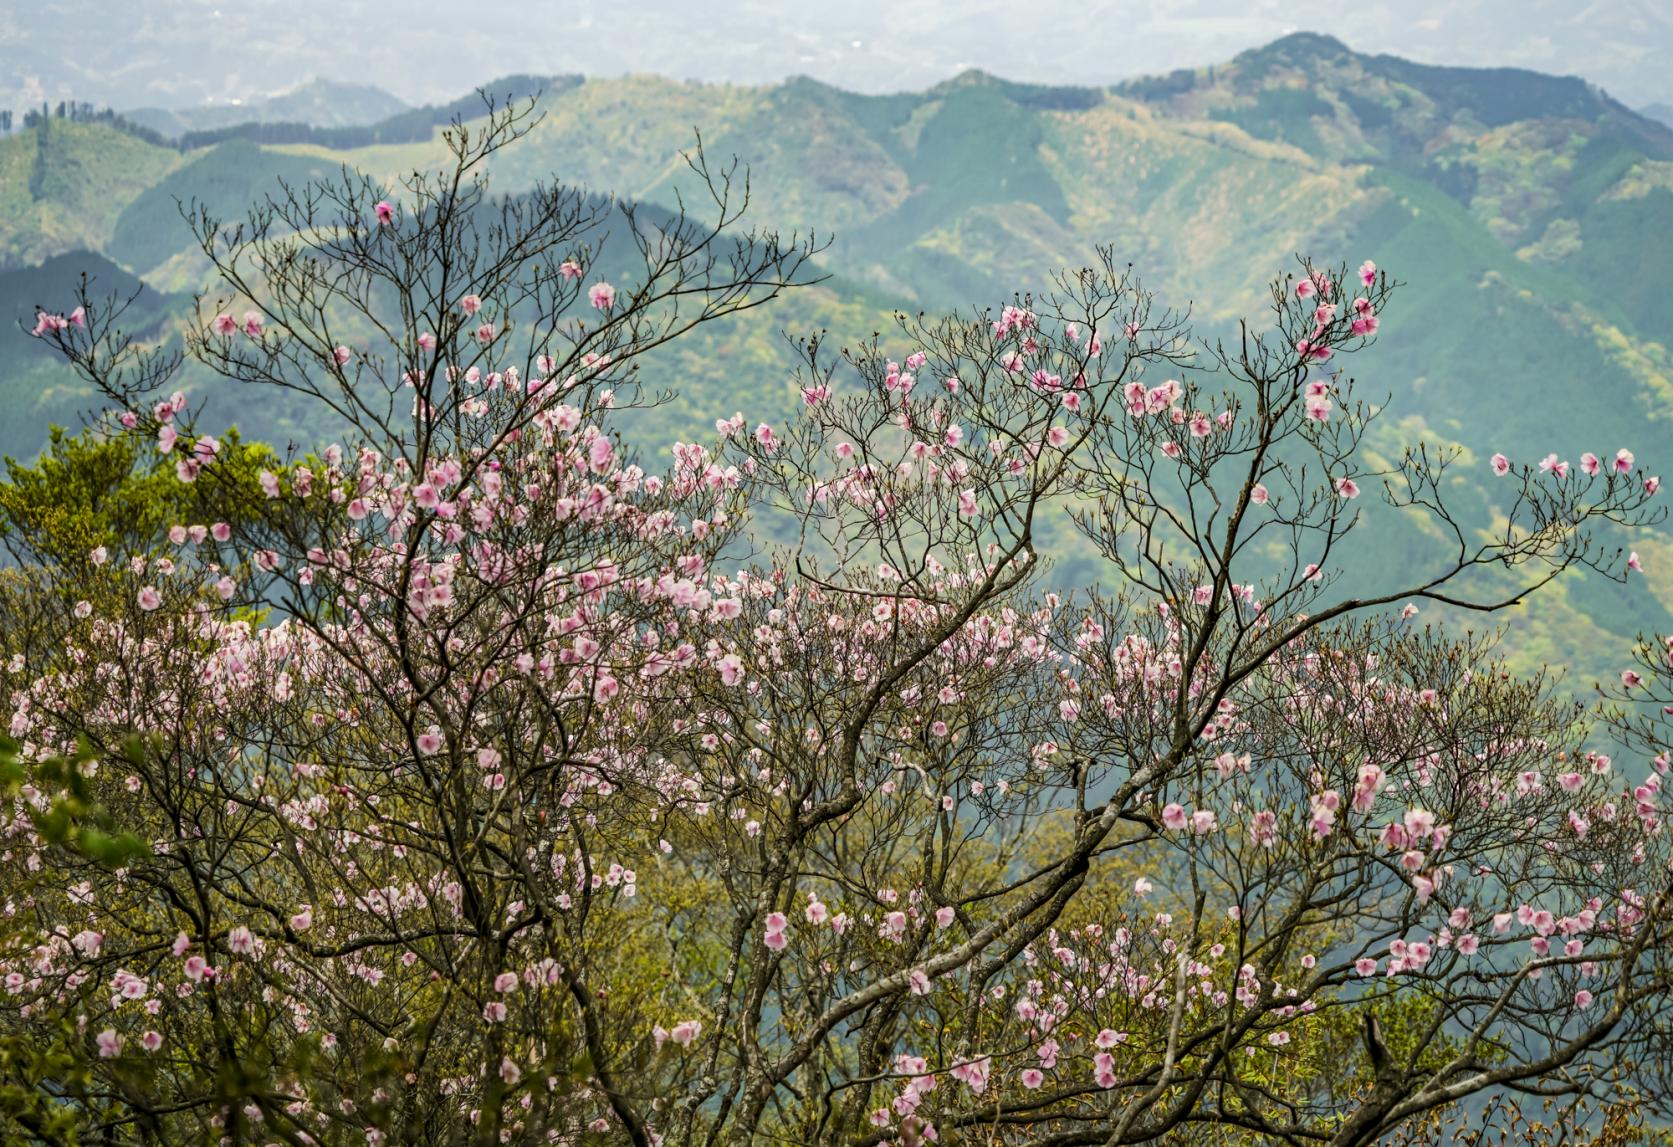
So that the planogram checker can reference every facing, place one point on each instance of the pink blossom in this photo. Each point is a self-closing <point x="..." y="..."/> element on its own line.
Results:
<point x="47" y="324"/>
<point x="110" y="1044"/>
<point x="1501" y="465"/>
<point x="602" y="296"/>
<point x="384" y="212"/>
<point x="973" y="1074"/>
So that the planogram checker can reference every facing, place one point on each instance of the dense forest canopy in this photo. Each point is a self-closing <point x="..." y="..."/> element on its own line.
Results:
<point x="479" y="777"/>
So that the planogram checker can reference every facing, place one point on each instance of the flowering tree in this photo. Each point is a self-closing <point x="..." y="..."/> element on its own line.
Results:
<point x="483" y="799"/>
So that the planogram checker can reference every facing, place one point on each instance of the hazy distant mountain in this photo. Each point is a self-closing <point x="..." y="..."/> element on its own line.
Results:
<point x="1531" y="214"/>
<point x="175" y="53"/>
<point x="322" y="103"/>
<point x="1662" y="112"/>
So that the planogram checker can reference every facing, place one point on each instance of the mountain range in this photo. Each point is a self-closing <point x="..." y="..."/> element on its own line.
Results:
<point x="187" y="53"/>
<point x="319" y="103"/>
<point x="1531" y="216"/>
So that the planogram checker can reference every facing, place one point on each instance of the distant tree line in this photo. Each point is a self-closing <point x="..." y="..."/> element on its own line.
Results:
<point x="404" y="128"/>
<point x="1148" y="88"/>
<point x="80" y="111"/>
<point x="412" y="126"/>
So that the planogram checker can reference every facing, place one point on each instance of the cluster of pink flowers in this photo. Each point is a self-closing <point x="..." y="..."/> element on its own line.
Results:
<point x="46" y="324"/>
<point x="518" y="696"/>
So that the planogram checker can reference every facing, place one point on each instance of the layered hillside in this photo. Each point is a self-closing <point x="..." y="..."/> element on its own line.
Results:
<point x="1531" y="216"/>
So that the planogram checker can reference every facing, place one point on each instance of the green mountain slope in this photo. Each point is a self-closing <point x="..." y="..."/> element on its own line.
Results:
<point x="36" y="388"/>
<point x="62" y="187"/>
<point x="226" y="179"/>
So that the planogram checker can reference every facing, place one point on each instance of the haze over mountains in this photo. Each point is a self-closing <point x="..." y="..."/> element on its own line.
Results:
<point x="1532" y="216"/>
<point x="129" y="55"/>
<point x="320" y="103"/>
